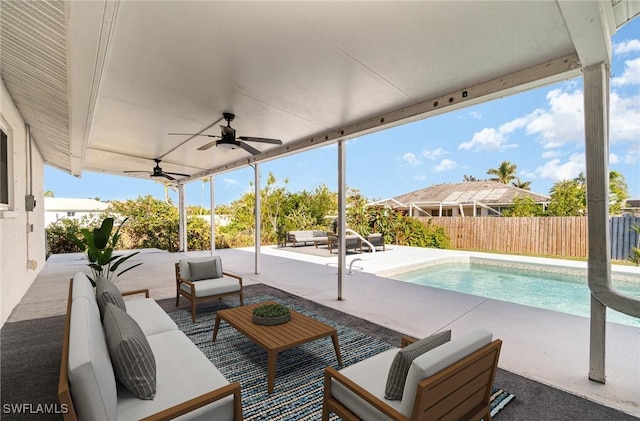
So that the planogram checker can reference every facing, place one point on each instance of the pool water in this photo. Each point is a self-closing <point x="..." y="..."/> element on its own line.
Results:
<point x="552" y="291"/>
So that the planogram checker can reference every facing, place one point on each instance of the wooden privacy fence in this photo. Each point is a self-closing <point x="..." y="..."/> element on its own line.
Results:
<point x="547" y="236"/>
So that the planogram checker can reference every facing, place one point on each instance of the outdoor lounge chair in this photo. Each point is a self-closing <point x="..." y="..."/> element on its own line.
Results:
<point x="452" y="381"/>
<point x="376" y="239"/>
<point x="202" y="278"/>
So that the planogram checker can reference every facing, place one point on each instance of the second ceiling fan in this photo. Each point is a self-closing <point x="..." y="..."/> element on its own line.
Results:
<point x="229" y="140"/>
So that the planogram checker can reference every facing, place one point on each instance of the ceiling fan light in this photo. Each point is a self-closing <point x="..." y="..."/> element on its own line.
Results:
<point x="226" y="146"/>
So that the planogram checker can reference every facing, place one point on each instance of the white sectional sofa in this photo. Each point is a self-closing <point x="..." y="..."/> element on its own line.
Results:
<point x="307" y="236"/>
<point x="188" y="385"/>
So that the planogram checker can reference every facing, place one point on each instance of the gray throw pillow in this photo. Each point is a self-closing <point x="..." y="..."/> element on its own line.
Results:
<point x="205" y="270"/>
<point x="107" y="292"/>
<point x="131" y="356"/>
<point x="403" y="359"/>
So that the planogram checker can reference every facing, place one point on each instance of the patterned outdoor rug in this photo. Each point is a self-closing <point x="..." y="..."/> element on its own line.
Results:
<point x="299" y="374"/>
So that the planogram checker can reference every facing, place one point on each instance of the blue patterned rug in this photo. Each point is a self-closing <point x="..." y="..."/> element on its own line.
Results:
<point x="299" y="373"/>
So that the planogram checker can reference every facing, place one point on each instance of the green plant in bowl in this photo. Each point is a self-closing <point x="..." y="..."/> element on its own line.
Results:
<point x="271" y="314"/>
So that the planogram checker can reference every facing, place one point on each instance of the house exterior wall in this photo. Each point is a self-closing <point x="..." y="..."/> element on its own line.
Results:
<point x="22" y="235"/>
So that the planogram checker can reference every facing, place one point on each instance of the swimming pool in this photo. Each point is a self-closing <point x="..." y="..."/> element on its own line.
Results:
<point x="563" y="292"/>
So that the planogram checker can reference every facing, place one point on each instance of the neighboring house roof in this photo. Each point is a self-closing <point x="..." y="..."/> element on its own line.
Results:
<point x="632" y="204"/>
<point x="488" y="192"/>
<point x="59" y="204"/>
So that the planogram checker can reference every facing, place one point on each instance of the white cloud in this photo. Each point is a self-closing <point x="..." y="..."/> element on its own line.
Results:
<point x="410" y="158"/>
<point x="434" y="154"/>
<point x="627" y="47"/>
<point x="551" y="154"/>
<point x="630" y="75"/>
<point x="556" y="171"/>
<point x="420" y="177"/>
<point x="528" y="174"/>
<point x="614" y="159"/>
<point x="625" y="118"/>
<point x="445" y="165"/>
<point x="563" y="122"/>
<point x="230" y="183"/>
<point x="487" y="139"/>
<point x="475" y="115"/>
<point x="513" y="125"/>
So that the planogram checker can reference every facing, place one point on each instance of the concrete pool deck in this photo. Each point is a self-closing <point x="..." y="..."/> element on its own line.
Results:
<point x="544" y="345"/>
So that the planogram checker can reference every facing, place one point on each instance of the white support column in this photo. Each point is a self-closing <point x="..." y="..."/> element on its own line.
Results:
<point x="596" y="115"/>
<point x="182" y="221"/>
<point x="342" y="217"/>
<point x="258" y="216"/>
<point x="213" y="213"/>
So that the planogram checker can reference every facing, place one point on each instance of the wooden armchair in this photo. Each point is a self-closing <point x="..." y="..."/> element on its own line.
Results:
<point x="202" y="278"/>
<point x="450" y="382"/>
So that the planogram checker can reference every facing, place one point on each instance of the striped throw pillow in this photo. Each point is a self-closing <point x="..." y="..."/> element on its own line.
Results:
<point x="403" y="359"/>
<point x="131" y="355"/>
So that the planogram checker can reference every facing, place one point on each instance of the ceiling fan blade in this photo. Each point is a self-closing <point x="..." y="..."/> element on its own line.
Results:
<point x="207" y="146"/>
<point x="249" y="148"/>
<point x="164" y="174"/>
<point x="135" y="171"/>
<point x="177" y="173"/>
<point x="192" y="134"/>
<point x="261" y="140"/>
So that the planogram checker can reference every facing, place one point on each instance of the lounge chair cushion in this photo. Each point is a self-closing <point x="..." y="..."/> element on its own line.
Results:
<point x="438" y="359"/>
<point x="205" y="270"/>
<point x="209" y="287"/>
<point x="184" y="264"/>
<point x="401" y="363"/>
<point x="91" y="378"/>
<point x="371" y="374"/>
<point x="131" y="355"/>
<point x="107" y="292"/>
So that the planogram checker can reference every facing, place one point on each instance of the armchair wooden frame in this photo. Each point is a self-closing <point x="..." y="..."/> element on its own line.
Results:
<point x="66" y="400"/>
<point x="461" y="391"/>
<point x="191" y="296"/>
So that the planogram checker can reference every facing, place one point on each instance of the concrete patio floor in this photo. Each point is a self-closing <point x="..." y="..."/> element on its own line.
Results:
<point x="547" y="346"/>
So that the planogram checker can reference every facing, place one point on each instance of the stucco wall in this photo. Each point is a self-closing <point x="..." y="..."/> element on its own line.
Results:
<point x="22" y="248"/>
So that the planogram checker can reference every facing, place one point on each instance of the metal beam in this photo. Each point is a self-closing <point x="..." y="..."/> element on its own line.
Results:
<point x="182" y="222"/>
<point x="546" y="73"/>
<point x="212" y="189"/>
<point x="342" y="217"/>
<point x="258" y="217"/>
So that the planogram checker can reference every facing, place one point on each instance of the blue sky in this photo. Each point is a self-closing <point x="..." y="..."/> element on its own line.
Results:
<point x="542" y="131"/>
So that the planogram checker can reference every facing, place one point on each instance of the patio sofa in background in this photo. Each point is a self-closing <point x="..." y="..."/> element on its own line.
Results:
<point x="186" y="382"/>
<point x="307" y="236"/>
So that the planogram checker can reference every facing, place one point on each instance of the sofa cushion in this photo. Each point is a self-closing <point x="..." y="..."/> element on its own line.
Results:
<point x="183" y="372"/>
<point x="401" y="363"/>
<point x="131" y="355"/>
<point x="204" y="270"/>
<point x="107" y="292"/>
<point x="183" y="265"/>
<point x="209" y="287"/>
<point x="91" y="377"/>
<point x="150" y="316"/>
<point x="438" y="359"/>
<point x="371" y="374"/>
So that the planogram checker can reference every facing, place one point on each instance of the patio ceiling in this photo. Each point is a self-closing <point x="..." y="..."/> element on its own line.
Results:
<point x="101" y="84"/>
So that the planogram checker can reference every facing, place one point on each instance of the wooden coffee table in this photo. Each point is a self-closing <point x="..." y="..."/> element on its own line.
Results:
<point x="273" y="339"/>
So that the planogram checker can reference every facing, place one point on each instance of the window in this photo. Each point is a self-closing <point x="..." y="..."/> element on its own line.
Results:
<point x="4" y="169"/>
<point x="71" y="214"/>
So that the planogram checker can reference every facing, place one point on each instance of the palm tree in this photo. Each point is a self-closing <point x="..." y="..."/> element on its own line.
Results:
<point x="467" y="178"/>
<point x="505" y="173"/>
<point x="524" y="185"/>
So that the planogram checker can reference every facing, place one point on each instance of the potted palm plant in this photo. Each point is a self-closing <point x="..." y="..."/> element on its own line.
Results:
<point x="99" y="244"/>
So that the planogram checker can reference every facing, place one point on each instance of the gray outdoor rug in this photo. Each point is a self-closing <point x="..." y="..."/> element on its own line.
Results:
<point x="299" y="374"/>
